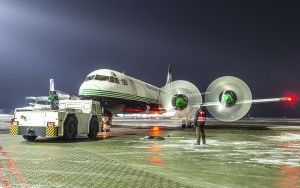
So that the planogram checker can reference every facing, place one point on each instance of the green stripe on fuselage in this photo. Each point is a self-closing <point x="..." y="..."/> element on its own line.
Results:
<point x="118" y="96"/>
<point x="115" y="95"/>
<point x="94" y="92"/>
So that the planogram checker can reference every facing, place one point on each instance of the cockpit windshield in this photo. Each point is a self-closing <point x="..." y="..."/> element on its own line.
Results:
<point x="103" y="78"/>
<point x="90" y="78"/>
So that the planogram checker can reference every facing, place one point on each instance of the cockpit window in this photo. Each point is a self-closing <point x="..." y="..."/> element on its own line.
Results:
<point x="114" y="80"/>
<point x="101" y="78"/>
<point x="90" y="78"/>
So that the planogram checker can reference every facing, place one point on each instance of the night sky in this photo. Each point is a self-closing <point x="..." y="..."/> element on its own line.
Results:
<point x="257" y="41"/>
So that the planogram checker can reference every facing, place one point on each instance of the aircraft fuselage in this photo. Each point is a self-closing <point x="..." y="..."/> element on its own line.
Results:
<point x="119" y="92"/>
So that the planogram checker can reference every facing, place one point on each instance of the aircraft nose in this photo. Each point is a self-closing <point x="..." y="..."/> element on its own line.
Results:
<point x="94" y="88"/>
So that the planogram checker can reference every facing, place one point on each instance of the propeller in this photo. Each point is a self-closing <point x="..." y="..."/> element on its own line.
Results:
<point x="180" y="96"/>
<point x="225" y="96"/>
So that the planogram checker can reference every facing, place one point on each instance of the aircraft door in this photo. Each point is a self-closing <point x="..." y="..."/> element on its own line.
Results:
<point x="134" y="92"/>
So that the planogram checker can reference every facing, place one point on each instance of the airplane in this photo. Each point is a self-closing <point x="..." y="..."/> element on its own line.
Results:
<point x="227" y="98"/>
<point x="6" y="117"/>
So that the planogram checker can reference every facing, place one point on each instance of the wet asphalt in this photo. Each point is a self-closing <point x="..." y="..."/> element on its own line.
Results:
<point x="124" y="158"/>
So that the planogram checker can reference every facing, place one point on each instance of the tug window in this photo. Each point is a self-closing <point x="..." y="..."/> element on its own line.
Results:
<point x="124" y="82"/>
<point x="101" y="78"/>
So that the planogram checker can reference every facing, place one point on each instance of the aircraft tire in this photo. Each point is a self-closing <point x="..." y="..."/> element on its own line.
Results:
<point x="29" y="138"/>
<point x="189" y="125"/>
<point x="70" y="127"/>
<point x="93" y="128"/>
<point x="183" y="124"/>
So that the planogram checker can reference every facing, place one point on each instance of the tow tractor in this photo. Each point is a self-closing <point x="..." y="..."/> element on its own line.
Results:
<point x="60" y="115"/>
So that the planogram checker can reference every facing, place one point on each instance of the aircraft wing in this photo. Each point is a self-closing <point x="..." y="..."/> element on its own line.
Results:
<point x="270" y="100"/>
<point x="253" y="101"/>
<point x="39" y="98"/>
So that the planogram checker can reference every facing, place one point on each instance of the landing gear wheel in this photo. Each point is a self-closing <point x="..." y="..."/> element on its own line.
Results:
<point x="94" y="128"/>
<point x="109" y="124"/>
<point x="70" y="127"/>
<point x="29" y="138"/>
<point x="101" y="125"/>
<point x="183" y="124"/>
<point x="189" y="125"/>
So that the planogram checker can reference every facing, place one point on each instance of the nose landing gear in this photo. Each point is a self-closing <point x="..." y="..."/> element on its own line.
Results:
<point x="106" y="121"/>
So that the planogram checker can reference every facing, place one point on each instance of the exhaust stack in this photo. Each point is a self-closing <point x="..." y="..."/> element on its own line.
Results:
<point x="51" y="85"/>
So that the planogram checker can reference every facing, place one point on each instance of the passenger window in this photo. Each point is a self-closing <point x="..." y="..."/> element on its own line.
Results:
<point x="124" y="82"/>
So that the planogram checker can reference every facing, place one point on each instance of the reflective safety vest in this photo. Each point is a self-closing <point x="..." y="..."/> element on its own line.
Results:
<point x="201" y="117"/>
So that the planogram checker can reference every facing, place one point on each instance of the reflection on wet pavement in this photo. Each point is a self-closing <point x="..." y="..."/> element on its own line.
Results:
<point x="231" y="158"/>
<point x="290" y="173"/>
<point x="156" y="157"/>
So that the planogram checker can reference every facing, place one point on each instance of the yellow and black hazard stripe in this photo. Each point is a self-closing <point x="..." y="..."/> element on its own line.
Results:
<point x="13" y="130"/>
<point x="51" y="130"/>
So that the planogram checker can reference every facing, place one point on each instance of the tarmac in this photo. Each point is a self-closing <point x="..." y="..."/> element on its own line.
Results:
<point x="248" y="123"/>
<point x="266" y="155"/>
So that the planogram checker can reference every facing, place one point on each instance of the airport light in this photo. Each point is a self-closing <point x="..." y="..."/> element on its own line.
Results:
<point x="155" y="128"/>
<point x="155" y="131"/>
<point x="291" y="98"/>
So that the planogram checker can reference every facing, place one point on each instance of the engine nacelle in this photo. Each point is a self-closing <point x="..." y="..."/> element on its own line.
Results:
<point x="228" y="98"/>
<point x="180" y="102"/>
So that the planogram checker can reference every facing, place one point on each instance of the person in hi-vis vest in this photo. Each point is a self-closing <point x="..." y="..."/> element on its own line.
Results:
<point x="200" y="118"/>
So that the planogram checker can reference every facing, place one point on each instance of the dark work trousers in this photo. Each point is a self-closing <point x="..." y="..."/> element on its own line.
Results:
<point x="200" y="133"/>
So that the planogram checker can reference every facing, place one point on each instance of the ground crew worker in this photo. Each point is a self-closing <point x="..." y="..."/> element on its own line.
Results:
<point x="200" y="118"/>
<point x="53" y="98"/>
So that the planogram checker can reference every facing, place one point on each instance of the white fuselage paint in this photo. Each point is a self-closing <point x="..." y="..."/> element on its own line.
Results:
<point x="113" y="84"/>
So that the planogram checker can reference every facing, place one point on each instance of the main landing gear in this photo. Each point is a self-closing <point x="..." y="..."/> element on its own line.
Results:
<point x="187" y="124"/>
